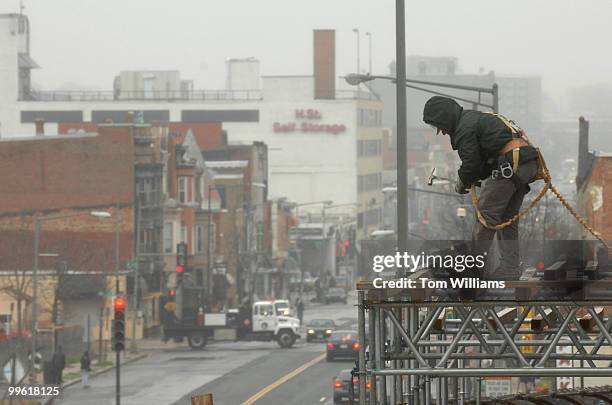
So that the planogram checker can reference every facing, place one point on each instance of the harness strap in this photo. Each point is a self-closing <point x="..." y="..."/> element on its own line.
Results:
<point x="515" y="160"/>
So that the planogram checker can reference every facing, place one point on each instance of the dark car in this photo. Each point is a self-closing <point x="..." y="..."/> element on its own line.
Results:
<point x="342" y="391"/>
<point x="319" y="329"/>
<point x="335" y="295"/>
<point x="343" y="344"/>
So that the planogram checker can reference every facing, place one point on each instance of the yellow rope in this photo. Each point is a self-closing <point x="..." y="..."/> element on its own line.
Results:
<point x="543" y="174"/>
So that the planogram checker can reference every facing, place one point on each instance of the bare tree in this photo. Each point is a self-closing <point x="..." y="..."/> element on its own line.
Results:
<point x="16" y="264"/>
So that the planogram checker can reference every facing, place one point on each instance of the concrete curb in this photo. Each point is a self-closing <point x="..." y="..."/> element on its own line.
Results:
<point x="97" y="373"/>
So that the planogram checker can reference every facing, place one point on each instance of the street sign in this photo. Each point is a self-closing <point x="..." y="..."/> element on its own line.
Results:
<point x="498" y="386"/>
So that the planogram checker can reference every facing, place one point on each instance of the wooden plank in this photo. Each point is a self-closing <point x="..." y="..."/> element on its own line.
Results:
<point x="204" y="399"/>
<point x="556" y="271"/>
<point x="588" y="323"/>
<point x="440" y="320"/>
<point x="538" y="322"/>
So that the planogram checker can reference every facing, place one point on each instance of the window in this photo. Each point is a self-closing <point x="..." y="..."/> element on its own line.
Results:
<point x="182" y="189"/>
<point x="202" y="187"/>
<point x="199" y="238"/>
<point x="184" y="233"/>
<point x="148" y="84"/>
<point x="168" y="237"/>
<point x="142" y="196"/>
<point x="369" y="118"/>
<point x="370" y="147"/>
<point x="260" y="237"/>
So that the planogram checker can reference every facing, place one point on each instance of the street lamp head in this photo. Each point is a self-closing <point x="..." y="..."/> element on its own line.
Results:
<point x="355" y="29"/>
<point x="100" y="214"/>
<point x="328" y="202"/>
<point x="355" y="79"/>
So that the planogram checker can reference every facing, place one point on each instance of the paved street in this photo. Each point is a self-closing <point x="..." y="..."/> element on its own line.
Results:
<point x="235" y="372"/>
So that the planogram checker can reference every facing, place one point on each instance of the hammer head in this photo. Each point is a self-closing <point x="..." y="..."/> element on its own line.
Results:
<point x="432" y="177"/>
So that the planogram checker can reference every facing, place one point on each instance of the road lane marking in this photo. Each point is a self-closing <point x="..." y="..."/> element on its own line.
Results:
<point x="283" y="380"/>
<point x="322" y="399"/>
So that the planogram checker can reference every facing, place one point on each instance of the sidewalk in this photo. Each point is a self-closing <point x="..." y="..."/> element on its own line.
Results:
<point x="72" y="372"/>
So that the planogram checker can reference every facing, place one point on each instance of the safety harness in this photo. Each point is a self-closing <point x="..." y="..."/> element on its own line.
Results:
<point x="542" y="174"/>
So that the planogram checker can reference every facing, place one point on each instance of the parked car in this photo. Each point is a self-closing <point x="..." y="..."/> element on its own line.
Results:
<point x="335" y="295"/>
<point x="343" y="344"/>
<point x="319" y="329"/>
<point x="342" y="389"/>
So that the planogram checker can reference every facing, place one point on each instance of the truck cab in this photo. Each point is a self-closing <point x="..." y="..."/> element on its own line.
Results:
<point x="267" y="321"/>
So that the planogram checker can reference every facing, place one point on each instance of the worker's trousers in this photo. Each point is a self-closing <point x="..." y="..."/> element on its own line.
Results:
<point x="499" y="200"/>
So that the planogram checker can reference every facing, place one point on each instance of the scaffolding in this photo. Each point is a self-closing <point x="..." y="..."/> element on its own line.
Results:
<point x="425" y="346"/>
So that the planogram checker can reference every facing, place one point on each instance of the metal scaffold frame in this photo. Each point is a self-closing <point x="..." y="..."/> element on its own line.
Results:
<point x="417" y="353"/>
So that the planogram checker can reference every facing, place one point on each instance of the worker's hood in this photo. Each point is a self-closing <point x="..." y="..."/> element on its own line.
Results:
<point x="443" y="113"/>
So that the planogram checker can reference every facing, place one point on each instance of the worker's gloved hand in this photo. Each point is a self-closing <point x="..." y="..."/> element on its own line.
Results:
<point x="460" y="187"/>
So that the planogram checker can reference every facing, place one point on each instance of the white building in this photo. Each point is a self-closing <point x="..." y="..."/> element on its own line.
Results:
<point x="324" y="141"/>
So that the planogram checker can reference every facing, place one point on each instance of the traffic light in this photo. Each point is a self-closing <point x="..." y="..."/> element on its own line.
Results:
<point x="181" y="260"/>
<point x="181" y="255"/>
<point x="119" y="324"/>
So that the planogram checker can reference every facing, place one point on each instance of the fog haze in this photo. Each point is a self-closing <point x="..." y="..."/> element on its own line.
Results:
<point x="85" y="43"/>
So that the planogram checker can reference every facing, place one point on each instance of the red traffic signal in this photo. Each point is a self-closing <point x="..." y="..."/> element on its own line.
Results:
<point x="119" y="304"/>
<point x="179" y="269"/>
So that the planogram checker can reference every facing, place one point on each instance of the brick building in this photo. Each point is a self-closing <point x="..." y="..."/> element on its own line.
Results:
<point x="61" y="180"/>
<point x="593" y="175"/>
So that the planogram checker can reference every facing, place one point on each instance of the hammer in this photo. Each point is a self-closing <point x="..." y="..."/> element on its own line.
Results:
<point x="433" y="177"/>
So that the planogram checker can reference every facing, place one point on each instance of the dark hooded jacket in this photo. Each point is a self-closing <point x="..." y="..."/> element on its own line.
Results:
<point x="476" y="136"/>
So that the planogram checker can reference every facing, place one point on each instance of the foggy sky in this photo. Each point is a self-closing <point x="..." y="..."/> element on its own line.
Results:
<point x="85" y="43"/>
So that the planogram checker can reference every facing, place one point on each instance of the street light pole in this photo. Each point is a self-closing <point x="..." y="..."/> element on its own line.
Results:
<point x="118" y="352"/>
<point x="34" y="297"/>
<point x="369" y="35"/>
<point x="402" y="142"/>
<point x="208" y="243"/>
<point x="356" y="30"/>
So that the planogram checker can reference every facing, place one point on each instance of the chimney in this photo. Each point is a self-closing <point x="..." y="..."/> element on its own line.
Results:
<point x="583" y="150"/>
<point x="40" y="127"/>
<point x="324" y="60"/>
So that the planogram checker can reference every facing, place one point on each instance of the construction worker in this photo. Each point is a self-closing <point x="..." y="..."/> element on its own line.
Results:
<point x="491" y="148"/>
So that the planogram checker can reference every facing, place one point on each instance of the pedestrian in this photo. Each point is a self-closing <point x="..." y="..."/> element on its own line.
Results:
<point x="300" y="310"/>
<point x="491" y="148"/>
<point x="58" y="362"/>
<point x="85" y="369"/>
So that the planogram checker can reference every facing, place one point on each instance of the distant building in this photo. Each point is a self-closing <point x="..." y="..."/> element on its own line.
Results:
<point x="62" y="180"/>
<point x="324" y="136"/>
<point x="593" y="177"/>
<point x="520" y="98"/>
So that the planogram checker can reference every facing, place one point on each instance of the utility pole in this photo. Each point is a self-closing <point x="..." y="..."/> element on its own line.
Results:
<point x="133" y="347"/>
<point x="369" y="35"/>
<point x="356" y="30"/>
<point x="208" y="243"/>
<point x="402" y="143"/>
<point x="117" y="352"/>
<point x="35" y="298"/>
